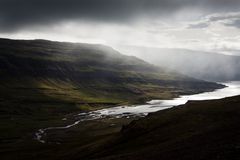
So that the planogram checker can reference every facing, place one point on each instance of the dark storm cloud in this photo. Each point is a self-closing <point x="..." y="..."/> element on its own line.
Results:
<point x="15" y="14"/>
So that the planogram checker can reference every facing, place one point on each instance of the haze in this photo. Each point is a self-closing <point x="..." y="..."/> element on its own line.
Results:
<point x="206" y="25"/>
<point x="145" y="80"/>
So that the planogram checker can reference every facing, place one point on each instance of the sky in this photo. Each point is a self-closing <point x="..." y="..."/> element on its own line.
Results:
<point x="206" y="25"/>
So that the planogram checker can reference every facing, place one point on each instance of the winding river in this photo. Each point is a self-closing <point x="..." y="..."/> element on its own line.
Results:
<point x="232" y="89"/>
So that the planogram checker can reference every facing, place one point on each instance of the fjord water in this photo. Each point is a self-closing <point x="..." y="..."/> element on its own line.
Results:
<point x="231" y="89"/>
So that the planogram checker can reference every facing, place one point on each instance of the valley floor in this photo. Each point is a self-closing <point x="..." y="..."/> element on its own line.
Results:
<point x="197" y="130"/>
<point x="45" y="83"/>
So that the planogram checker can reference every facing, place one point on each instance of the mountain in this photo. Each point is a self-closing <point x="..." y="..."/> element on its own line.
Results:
<point x="198" y="130"/>
<point x="43" y="81"/>
<point x="43" y="71"/>
<point x="198" y="64"/>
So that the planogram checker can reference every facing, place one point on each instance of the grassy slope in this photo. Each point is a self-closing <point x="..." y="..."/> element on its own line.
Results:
<point x="44" y="71"/>
<point x="42" y="81"/>
<point x="196" y="130"/>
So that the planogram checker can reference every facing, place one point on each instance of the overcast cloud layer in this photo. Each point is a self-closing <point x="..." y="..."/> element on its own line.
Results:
<point x="195" y="24"/>
<point x="15" y="14"/>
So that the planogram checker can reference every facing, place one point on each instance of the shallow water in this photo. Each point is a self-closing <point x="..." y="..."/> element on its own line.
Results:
<point x="232" y="89"/>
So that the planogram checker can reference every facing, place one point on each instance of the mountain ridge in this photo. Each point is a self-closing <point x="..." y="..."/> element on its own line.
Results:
<point x="87" y="65"/>
<point x="43" y="82"/>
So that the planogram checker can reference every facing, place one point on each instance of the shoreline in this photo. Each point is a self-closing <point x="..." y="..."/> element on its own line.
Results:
<point x="103" y="113"/>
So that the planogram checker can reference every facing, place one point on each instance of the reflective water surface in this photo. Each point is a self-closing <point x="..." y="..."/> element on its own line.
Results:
<point x="232" y="89"/>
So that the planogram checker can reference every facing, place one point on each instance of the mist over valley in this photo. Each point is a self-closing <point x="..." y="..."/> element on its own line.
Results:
<point x="119" y="79"/>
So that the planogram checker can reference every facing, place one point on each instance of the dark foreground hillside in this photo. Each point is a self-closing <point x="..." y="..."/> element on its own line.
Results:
<point x="198" y="130"/>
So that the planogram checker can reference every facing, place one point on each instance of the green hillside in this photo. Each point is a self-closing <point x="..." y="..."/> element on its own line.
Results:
<point x="42" y="71"/>
<point x="43" y="81"/>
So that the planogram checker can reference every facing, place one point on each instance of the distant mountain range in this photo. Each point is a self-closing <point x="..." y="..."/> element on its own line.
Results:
<point x="202" y="65"/>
